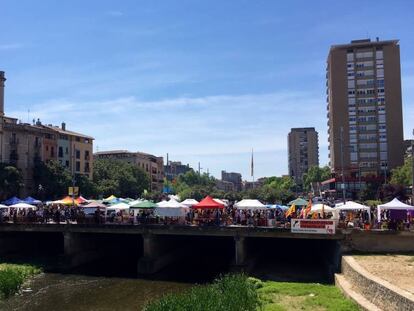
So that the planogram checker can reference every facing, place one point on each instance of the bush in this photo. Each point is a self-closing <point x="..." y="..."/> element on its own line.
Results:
<point x="228" y="293"/>
<point x="12" y="277"/>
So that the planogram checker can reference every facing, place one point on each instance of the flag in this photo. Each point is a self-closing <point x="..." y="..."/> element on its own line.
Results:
<point x="307" y="209"/>
<point x="290" y="211"/>
<point x="252" y="166"/>
<point x="323" y="210"/>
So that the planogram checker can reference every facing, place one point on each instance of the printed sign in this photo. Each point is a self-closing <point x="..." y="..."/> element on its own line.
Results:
<point x="73" y="191"/>
<point x="317" y="226"/>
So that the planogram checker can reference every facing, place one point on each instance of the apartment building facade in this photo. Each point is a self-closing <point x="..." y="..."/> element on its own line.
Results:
<point x="303" y="151"/>
<point x="364" y="108"/>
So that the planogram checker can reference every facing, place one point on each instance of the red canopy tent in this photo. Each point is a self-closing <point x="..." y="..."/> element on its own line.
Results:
<point x="208" y="202"/>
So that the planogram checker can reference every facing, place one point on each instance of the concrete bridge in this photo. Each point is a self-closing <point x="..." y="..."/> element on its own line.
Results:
<point x="156" y="246"/>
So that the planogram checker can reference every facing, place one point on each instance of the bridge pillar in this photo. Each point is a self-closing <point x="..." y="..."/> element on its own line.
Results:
<point x="240" y="251"/>
<point x="157" y="253"/>
<point x="78" y="249"/>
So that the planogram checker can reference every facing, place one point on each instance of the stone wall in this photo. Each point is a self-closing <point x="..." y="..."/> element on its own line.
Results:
<point x="380" y="292"/>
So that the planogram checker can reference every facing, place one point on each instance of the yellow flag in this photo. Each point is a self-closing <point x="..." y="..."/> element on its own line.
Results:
<point x="290" y="211"/>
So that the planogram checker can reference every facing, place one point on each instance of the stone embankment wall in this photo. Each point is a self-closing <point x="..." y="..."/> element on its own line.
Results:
<point x="378" y="241"/>
<point x="381" y="293"/>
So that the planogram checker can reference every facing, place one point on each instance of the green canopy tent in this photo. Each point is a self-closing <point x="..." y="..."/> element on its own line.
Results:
<point x="298" y="202"/>
<point x="144" y="205"/>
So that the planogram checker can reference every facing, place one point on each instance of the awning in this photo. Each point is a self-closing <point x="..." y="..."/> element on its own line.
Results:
<point x="144" y="205"/>
<point x="208" y="202"/>
<point x="189" y="202"/>
<point x="298" y="202"/>
<point x="23" y="206"/>
<point x="11" y="201"/>
<point x="250" y="204"/>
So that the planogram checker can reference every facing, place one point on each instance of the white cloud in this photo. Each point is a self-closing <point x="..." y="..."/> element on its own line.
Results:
<point x="219" y="129"/>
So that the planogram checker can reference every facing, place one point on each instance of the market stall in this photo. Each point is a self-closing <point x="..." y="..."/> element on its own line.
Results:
<point x="394" y="205"/>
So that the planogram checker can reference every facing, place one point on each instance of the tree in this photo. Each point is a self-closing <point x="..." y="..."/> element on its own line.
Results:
<point x="10" y="181"/>
<point x="403" y="175"/>
<point x="119" y="178"/>
<point x="315" y="174"/>
<point x="51" y="179"/>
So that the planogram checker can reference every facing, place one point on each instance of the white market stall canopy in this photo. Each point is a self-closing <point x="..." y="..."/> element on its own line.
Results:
<point x="250" y="204"/>
<point x="189" y="202"/>
<point x="23" y="206"/>
<point x="118" y="207"/>
<point x="351" y="206"/>
<point x="170" y="208"/>
<point x="395" y="204"/>
<point x="326" y="208"/>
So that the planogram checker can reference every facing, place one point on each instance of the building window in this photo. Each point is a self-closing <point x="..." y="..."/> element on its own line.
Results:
<point x="77" y="166"/>
<point x="87" y="155"/>
<point x="379" y="55"/>
<point x="52" y="152"/>
<point x="77" y="154"/>
<point x="86" y="167"/>
<point x="60" y="152"/>
<point x="67" y="163"/>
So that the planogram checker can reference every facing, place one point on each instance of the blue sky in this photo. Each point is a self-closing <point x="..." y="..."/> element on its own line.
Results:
<point x="202" y="80"/>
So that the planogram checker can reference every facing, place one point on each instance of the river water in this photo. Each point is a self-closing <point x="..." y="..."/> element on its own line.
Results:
<point x="67" y="292"/>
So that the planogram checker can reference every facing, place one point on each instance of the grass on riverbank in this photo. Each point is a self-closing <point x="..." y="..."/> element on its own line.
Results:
<point x="287" y="296"/>
<point x="240" y="293"/>
<point x="12" y="276"/>
<point x="229" y="293"/>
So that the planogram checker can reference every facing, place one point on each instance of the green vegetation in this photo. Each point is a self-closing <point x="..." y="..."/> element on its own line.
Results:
<point x="229" y="293"/>
<point x="12" y="277"/>
<point x="403" y="175"/>
<point x="238" y="292"/>
<point x="273" y="189"/>
<point x="287" y="296"/>
<point x="315" y="174"/>
<point x="10" y="181"/>
<point x="109" y="177"/>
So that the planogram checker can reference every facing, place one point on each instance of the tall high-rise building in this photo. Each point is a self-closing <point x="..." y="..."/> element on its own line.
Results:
<point x="303" y="151"/>
<point x="364" y="108"/>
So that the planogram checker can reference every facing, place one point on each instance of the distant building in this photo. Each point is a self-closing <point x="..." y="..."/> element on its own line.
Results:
<point x="151" y="164"/>
<point x="234" y="178"/>
<point x="303" y="151"/>
<point x="175" y="168"/>
<point x="22" y="144"/>
<point x="364" y="108"/>
<point x="247" y="185"/>
<point x="226" y="186"/>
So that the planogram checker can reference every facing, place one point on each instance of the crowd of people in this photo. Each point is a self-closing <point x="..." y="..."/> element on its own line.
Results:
<point x="228" y="216"/>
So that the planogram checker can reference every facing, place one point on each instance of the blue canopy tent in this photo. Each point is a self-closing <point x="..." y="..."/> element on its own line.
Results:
<point x="12" y="201"/>
<point x="32" y="201"/>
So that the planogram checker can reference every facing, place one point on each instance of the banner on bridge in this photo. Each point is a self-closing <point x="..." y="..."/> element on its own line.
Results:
<point x="317" y="226"/>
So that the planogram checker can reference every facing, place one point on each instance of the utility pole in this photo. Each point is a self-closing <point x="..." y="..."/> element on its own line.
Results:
<point x="342" y="164"/>
<point x="199" y="169"/>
